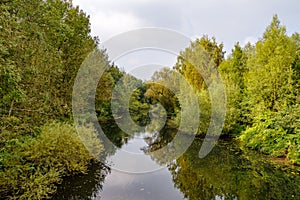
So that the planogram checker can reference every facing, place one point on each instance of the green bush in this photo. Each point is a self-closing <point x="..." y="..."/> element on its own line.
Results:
<point x="275" y="133"/>
<point x="31" y="168"/>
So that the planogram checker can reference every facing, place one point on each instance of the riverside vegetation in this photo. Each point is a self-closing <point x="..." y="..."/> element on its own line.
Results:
<point x="42" y="45"/>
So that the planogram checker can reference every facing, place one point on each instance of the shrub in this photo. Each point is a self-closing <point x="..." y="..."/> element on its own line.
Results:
<point x="275" y="133"/>
<point x="31" y="168"/>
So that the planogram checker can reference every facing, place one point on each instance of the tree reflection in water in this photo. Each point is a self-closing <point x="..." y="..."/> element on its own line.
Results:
<point x="228" y="172"/>
<point x="86" y="186"/>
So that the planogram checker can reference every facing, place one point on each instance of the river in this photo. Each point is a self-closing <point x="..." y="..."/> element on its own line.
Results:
<point x="228" y="172"/>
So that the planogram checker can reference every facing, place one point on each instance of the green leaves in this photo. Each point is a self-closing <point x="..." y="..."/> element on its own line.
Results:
<point x="201" y="56"/>
<point x="42" y="45"/>
<point x="31" y="168"/>
<point x="276" y="134"/>
<point x="269" y="81"/>
<point x="262" y="92"/>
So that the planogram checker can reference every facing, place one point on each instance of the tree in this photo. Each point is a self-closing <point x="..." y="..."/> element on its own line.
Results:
<point x="196" y="61"/>
<point x="296" y="65"/>
<point x="47" y="42"/>
<point x="42" y="45"/>
<point x="269" y="81"/>
<point x="271" y="95"/>
<point x="214" y="50"/>
<point x="162" y="90"/>
<point x="233" y="71"/>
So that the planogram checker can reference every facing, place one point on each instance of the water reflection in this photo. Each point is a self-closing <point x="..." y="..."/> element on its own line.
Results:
<point x="226" y="173"/>
<point x="230" y="173"/>
<point x="131" y="158"/>
<point x="86" y="186"/>
<point x="157" y="185"/>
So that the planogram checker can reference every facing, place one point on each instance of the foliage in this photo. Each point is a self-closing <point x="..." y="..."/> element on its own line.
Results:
<point x="271" y="95"/>
<point x="31" y="168"/>
<point x="269" y="80"/>
<point x="233" y="71"/>
<point x="139" y="106"/>
<point x="198" y="60"/>
<point x="276" y="133"/>
<point x="163" y="89"/>
<point x="262" y="84"/>
<point x="42" y="45"/>
<point x="104" y="90"/>
<point x="198" y="64"/>
<point x="128" y="100"/>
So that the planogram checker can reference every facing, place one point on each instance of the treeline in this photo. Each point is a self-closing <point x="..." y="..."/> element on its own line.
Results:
<point x="42" y="45"/>
<point x="262" y="87"/>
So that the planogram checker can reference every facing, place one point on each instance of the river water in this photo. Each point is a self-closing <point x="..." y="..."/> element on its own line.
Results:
<point x="228" y="172"/>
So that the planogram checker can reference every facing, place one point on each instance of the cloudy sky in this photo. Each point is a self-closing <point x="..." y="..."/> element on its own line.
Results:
<point x="228" y="20"/>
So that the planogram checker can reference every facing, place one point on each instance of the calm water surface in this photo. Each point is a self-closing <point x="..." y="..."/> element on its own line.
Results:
<point x="228" y="172"/>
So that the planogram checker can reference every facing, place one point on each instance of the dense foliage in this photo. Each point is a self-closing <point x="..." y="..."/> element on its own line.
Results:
<point x="263" y="93"/>
<point x="32" y="167"/>
<point x="44" y="42"/>
<point x="262" y="88"/>
<point x="42" y="45"/>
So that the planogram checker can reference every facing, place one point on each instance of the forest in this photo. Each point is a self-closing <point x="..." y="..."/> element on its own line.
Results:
<point x="42" y="46"/>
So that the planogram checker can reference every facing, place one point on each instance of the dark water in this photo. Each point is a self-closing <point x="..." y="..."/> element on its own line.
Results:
<point x="228" y="172"/>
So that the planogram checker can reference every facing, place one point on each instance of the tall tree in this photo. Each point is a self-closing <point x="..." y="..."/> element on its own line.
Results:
<point x="43" y="44"/>
<point x="233" y="71"/>
<point x="271" y="94"/>
<point x="269" y="81"/>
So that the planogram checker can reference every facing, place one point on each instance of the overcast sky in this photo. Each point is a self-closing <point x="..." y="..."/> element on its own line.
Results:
<point x="228" y="20"/>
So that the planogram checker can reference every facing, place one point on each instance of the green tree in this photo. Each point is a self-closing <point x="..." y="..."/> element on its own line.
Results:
<point x="233" y="71"/>
<point x="269" y="81"/>
<point x="42" y="45"/>
<point x="162" y="89"/>
<point x="271" y="94"/>
<point x="196" y="61"/>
